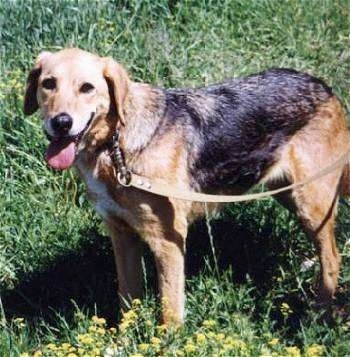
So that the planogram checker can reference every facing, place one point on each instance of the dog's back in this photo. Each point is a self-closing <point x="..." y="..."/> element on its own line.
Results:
<point x="234" y="129"/>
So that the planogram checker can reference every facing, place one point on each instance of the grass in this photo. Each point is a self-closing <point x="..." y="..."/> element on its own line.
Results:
<point x="56" y="264"/>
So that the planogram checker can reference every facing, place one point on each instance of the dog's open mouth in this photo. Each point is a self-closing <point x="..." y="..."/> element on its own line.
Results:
<point x="61" y="151"/>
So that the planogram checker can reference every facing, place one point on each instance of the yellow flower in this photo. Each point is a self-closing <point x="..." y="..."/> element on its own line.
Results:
<point x="293" y="351"/>
<point x="211" y="334"/>
<point x="165" y="300"/>
<point x="200" y="337"/>
<point x="37" y="354"/>
<point x="227" y="346"/>
<point x="209" y="323"/>
<point x="156" y="341"/>
<point x="148" y="323"/>
<point x="273" y="342"/>
<point x="220" y="337"/>
<point x="286" y="309"/>
<point x="314" y="350"/>
<point x="66" y="346"/>
<point x="98" y="320"/>
<point x="79" y="315"/>
<point x="92" y="329"/>
<point x="265" y="352"/>
<point x="72" y="355"/>
<point x="19" y="322"/>
<point x="162" y="328"/>
<point x="231" y="342"/>
<point x="124" y="325"/>
<point x="189" y="347"/>
<point x="96" y="352"/>
<point x="113" y="330"/>
<point x="136" y="303"/>
<point x="24" y="354"/>
<point x="137" y="355"/>
<point x="143" y="346"/>
<point x="85" y="339"/>
<point x="101" y="331"/>
<point x="51" y="346"/>
<point x="130" y="315"/>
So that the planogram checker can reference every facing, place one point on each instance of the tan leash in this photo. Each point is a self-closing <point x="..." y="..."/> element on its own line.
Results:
<point x="127" y="178"/>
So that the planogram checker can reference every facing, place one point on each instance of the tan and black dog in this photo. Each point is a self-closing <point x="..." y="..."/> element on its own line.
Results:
<point x="278" y="127"/>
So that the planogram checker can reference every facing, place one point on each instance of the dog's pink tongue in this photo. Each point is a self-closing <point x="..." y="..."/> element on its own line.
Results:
<point x="61" y="153"/>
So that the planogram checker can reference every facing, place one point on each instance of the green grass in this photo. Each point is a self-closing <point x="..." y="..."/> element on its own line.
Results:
<point x="56" y="264"/>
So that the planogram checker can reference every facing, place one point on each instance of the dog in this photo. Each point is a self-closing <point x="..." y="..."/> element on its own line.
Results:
<point x="277" y="127"/>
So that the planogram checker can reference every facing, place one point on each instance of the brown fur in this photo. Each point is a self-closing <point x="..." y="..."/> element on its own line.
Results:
<point x="316" y="202"/>
<point x="162" y="223"/>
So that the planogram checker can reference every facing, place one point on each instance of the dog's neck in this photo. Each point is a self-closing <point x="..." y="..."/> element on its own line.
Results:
<point x="143" y="111"/>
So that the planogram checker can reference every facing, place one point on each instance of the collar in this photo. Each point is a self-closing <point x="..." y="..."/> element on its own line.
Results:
<point x="123" y="173"/>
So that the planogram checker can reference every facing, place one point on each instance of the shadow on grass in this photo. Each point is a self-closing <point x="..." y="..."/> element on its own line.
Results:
<point x="87" y="278"/>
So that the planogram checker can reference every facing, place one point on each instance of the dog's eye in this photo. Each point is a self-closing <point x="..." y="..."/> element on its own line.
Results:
<point x="49" y="83"/>
<point x="86" y="87"/>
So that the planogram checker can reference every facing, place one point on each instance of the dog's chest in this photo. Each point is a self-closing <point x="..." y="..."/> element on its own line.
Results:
<point x="99" y="187"/>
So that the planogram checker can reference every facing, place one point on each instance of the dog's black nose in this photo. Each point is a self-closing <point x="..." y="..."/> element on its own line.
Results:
<point x="62" y="123"/>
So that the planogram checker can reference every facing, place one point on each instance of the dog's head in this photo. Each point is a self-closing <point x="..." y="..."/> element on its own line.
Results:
<point x="74" y="90"/>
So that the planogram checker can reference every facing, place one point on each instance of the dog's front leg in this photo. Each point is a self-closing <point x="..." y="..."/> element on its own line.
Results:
<point x="127" y="253"/>
<point x="167" y="242"/>
<point x="169" y="258"/>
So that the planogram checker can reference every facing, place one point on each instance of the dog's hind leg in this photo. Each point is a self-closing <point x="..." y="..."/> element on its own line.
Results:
<point x="127" y="253"/>
<point x="315" y="204"/>
<point x="317" y="211"/>
<point x="313" y="148"/>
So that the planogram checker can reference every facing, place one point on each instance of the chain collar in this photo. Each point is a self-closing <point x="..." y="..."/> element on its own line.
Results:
<point x="123" y="173"/>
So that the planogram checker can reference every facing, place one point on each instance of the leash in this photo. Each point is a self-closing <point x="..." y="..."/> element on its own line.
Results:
<point x="129" y="179"/>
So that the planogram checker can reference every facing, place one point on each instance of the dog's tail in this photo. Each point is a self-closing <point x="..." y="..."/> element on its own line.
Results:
<point x="345" y="181"/>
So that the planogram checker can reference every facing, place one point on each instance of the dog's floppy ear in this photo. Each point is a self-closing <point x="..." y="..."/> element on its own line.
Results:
<point x="30" y="99"/>
<point x="118" y="85"/>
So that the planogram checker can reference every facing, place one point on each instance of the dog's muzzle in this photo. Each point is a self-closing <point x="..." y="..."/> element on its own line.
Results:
<point x="61" y="124"/>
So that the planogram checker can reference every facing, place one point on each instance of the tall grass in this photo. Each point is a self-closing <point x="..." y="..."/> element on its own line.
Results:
<point x="54" y="255"/>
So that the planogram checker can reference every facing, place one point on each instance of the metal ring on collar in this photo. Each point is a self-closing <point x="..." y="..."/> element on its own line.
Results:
<point x="124" y="179"/>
